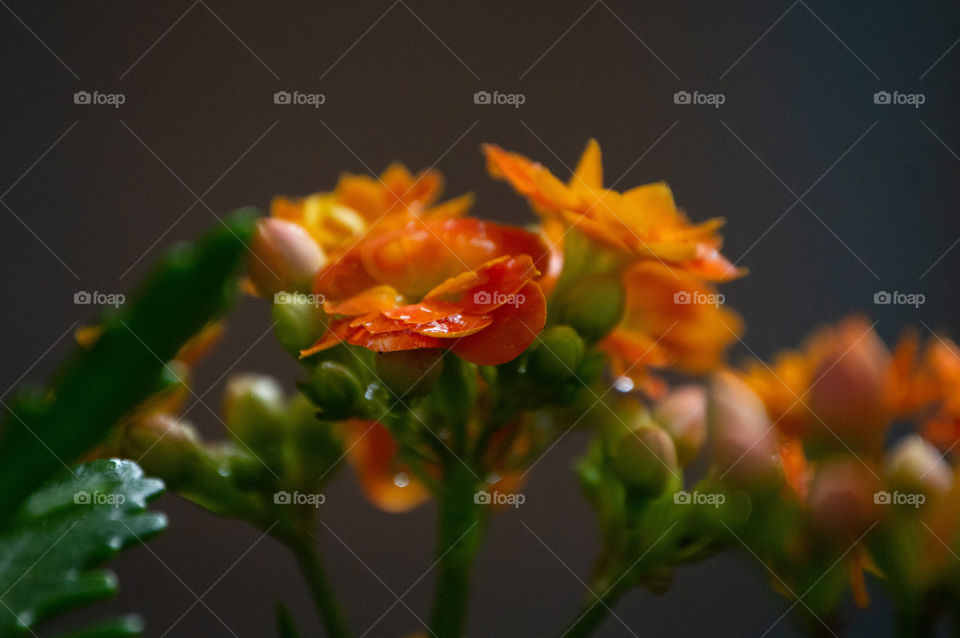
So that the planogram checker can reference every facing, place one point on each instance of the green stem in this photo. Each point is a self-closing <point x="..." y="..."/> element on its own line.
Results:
<point x="595" y="612"/>
<point x="320" y="589"/>
<point x="460" y="530"/>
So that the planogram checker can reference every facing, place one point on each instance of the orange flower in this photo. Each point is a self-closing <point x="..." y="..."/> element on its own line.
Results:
<point x="641" y="223"/>
<point x="929" y="383"/>
<point x="360" y="202"/>
<point x="462" y="284"/>
<point x="671" y="319"/>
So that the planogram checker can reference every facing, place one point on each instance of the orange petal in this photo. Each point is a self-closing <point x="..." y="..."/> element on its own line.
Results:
<point x="454" y="326"/>
<point x="374" y="299"/>
<point x="589" y="171"/>
<point x="514" y="328"/>
<point x="372" y="452"/>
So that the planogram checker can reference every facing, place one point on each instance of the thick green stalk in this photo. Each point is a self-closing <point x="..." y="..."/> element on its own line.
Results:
<point x="460" y="530"/>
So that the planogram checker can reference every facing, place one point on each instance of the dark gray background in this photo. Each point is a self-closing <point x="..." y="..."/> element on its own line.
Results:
<point x="88" y="199"/>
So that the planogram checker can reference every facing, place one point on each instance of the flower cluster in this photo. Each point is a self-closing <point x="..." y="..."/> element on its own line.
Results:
<point x="443" y="355"/>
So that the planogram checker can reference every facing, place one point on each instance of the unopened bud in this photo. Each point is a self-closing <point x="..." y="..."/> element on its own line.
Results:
<point x="593" y="305"/>
<point x="558" y="355"/>
<point x="842" y="499"/>
<point x="409" y="373"/>
<point x="683" y="414"/>
<point x="915" y="465"/>
<point x="298" y="323"/>
<point x="334" y="389"/>
<point x="850" y="395"/>
<point x="163" y="445"/>
<point x="283" y="257"/>
<point x="253" y="409"/>
<point x="645" y="459"/>
<point x="743" y="441"/>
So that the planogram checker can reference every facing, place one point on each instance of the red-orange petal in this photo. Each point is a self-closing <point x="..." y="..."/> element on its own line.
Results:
<point x="514" y="328"/>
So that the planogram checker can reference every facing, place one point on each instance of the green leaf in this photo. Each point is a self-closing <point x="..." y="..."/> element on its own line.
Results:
<point x="65" y="529"/>
<point x="191" y="286"/>
<point x="122" y="627"/>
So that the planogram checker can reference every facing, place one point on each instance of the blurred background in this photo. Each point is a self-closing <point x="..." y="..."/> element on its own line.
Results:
<point x="825" y="133"/>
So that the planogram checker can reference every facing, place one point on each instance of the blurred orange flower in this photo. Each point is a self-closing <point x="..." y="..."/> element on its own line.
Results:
<point x="462" y="284"/>
<point x="359" y="202"/>
<point x="671" y="319"/>
<point x="641" y="223"/>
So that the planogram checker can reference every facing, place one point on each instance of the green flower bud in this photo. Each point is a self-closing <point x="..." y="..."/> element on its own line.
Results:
<point x="645" y="459"/>
<point x="164" y="445"/>
<point x="253" y="410"/>
<point x="334" y="389"/>
<point x="299" y="322"/>
<point x="593" y="305"/>
<point x="409" y="373"/>
<point x="558" y="355"/>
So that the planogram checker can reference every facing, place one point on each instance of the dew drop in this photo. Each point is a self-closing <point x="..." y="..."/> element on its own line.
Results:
<point x="401" y="479"/>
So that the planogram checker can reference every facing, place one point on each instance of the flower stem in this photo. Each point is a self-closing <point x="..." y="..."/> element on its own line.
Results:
<point x="320" y="589"/>
<point x="460" y="531"/>
<point x="594" y="612"/>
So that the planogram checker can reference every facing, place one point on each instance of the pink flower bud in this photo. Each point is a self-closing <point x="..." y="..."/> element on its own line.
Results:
<point x="742" y="438"/>
<point x="850" y="394"/>
<point x="283" y="257"/>
<point x="843" y="500"/>
<point x="683" y="414"/>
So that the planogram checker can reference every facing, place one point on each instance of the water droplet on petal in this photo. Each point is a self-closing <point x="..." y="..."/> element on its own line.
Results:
<point x="624" y="384"/>
<point x="401" y="479"/>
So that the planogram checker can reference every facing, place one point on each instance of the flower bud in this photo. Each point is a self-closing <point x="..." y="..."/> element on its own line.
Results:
<point x="163" y="445"/>
<point x="334" y="389"/>
<point x="409" y="373"/>
<point x="298" y="323"/>
<point x="558" y="355"/>
<point x="683" y="414"/>
<point x="645" y="459"/>
<point x="743" y="441"/>
<point x="253" y="410"/>
<point x="842" y="499"/>
<point x="915" y="465"/>
<point x="283" y="257"/>
<point x="850" y="393"/>
<point x="593" y="305"/>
